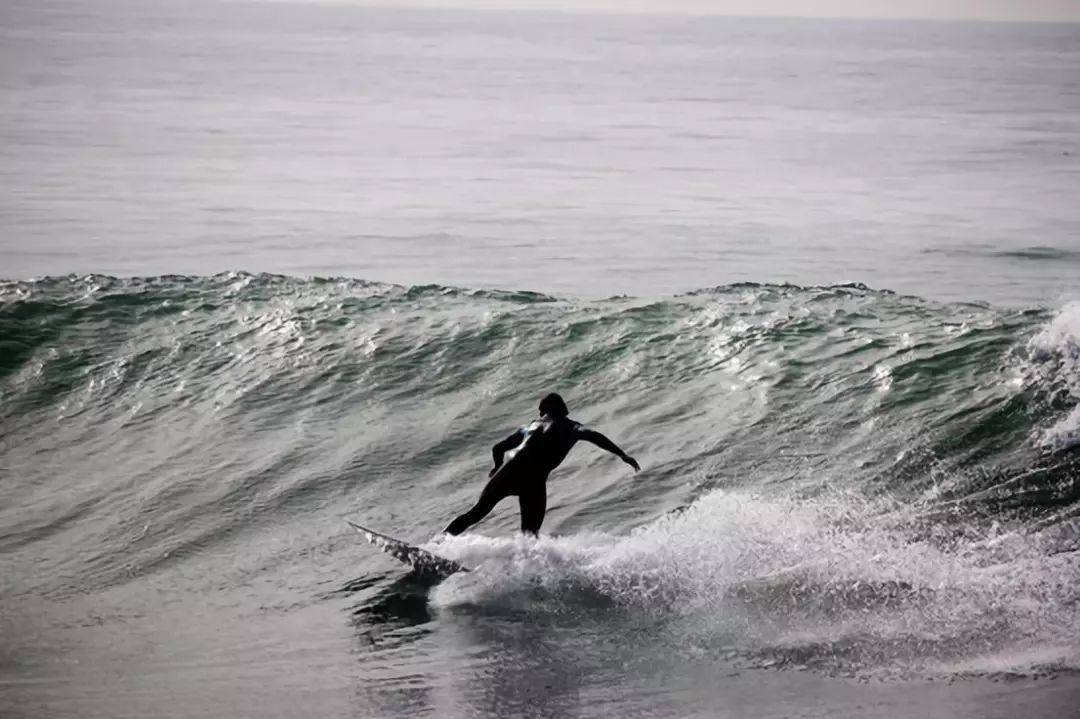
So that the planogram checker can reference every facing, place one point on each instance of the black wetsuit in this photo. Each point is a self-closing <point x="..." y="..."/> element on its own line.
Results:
<point x="537" y="449"/>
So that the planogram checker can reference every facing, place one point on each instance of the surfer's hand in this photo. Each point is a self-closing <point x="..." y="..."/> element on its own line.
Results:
<point x="632" y="462"/>
<point x="493" y="471"/>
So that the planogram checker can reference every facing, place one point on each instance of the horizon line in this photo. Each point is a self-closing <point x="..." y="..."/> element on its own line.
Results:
<point x="449" y="6"/>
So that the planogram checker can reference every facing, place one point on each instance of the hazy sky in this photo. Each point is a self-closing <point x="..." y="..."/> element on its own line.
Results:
<point x="1043" y="10"/>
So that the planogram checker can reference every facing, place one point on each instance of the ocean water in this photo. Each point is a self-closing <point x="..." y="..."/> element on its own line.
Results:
<point x="581" y="155"/>
<point x="270" y="266"/>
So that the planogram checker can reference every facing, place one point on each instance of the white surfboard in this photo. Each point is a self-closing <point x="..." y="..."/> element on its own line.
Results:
<point x="421" y="560"/>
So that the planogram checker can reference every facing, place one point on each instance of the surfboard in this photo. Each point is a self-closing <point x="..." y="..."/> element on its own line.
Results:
<point x="421" y="560"/>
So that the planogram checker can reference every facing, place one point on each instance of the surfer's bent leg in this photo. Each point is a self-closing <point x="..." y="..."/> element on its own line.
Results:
<point x="533" y="503"/>
<point x="494" y="492"/>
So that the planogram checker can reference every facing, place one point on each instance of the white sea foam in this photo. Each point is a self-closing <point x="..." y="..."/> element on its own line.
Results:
<point x="1055" y="354"/>
<point x="828" y="582"/>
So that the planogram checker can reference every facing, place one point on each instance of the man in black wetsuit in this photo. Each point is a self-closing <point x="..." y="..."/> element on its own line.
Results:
<point x="537" y="449"/>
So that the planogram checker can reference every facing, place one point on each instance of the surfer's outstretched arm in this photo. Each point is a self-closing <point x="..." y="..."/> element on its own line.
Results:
<point x="606" y="444"/>
<point x="500" y="449"/>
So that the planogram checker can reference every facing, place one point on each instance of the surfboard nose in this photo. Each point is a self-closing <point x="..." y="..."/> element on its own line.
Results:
<point x="421" y="560"/>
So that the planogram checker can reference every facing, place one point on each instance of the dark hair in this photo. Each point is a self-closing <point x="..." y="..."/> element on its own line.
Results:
<point x="553" y="404"/>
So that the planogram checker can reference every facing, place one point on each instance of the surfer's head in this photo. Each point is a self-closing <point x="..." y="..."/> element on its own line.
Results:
<point x="553" y="406"/>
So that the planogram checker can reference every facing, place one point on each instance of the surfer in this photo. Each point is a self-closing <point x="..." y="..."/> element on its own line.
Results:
<point x="534" y="451"/>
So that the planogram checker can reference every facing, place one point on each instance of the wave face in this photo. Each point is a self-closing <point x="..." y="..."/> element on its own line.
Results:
<point x="836" y="478"/>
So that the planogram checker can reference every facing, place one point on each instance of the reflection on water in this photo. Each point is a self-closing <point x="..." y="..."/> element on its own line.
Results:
<point x="484" y="659"/>
<point x="404" y="603"/>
